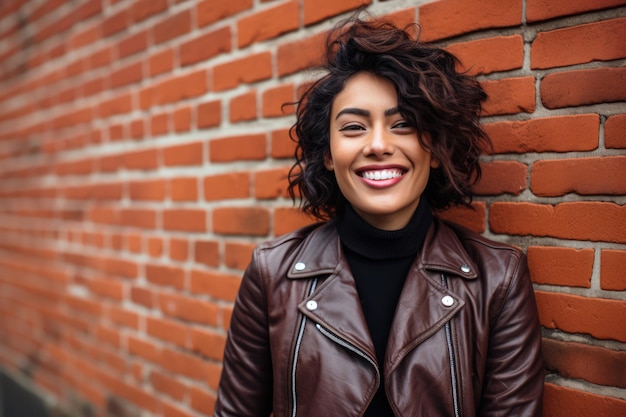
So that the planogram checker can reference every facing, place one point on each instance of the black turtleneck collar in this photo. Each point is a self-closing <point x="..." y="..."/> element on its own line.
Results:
<point x="373" y="243"/>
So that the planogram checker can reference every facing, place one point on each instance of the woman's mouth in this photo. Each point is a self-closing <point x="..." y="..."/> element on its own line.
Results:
<point x="381" y="174"/>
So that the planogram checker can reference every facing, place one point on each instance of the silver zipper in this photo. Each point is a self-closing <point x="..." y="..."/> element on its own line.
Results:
<point x="455" y="393"/>
<point x="295" y="354"/>
<point x="350" y="347"/>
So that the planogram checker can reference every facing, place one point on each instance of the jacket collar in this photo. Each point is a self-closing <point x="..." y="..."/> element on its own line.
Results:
<point x="336" y="304"/>
<point x="442" y="252"/>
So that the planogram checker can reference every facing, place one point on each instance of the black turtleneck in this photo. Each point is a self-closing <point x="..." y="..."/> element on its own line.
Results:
<point x="380" y="261"/>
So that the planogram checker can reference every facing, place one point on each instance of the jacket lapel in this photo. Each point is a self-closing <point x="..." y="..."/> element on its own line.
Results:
<point x="421" y="309"/>
<point x="335" y="304"/>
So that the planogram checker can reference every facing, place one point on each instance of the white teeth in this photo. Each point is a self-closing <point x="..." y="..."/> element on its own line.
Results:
<point x="385" y="174"/>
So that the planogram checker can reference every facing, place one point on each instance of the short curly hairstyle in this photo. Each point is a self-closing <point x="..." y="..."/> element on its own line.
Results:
<point x="432" y="95"/>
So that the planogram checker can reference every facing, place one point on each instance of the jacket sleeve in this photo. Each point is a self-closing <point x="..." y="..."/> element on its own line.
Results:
<point x="514" y="376"/>
<point x="245" y="387"/>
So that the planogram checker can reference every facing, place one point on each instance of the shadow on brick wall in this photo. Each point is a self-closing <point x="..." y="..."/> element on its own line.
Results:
<point x="17" y="401"/>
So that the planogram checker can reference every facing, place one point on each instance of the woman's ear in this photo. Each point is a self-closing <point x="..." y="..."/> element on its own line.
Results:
<point x="328" y="162"/>
<point x="434" y="162"/>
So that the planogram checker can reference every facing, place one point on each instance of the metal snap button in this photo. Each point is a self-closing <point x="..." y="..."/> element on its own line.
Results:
<point x="300" y="266"/>
<point x="447" y="301"/>
<point x="311" y="305"/>
<point x="465" y="268"/>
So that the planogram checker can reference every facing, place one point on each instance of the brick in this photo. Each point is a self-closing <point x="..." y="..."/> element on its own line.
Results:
<point x="209" y="114"/>
<point x="612" y="275"/>
<point x="237" y="255"/>
<point x="547" y="9"/>
<point x="595" y="221"/>
<point x="268" y="23"/>
<point x="161" y="62"/>
<point x="550" y="134"/>
<point x="560" y="401"/>
<point x="80" y="167"/>
<point x="244" y="221"/>
<point x="117" y="105"/>
<point x="217" y="285"/>
<point x="115" y="23"/>
<point x="185" y="220"/>
<point x="282" y="146"/>
<point x="107" y="288"/>
<point x="274" y="99"/>
<point x="137" y="129"/>
<point x="123" y="317"/>
<point x="446" y="18"/>
<point x="144" y="159"/>
<point x="167" y="385"/>
<point x="183" y="364"/>
<point x="153" y="190"/>
<point x="183" y="155"/>
<point x="185" y="86"/>
<point x="208" y="343"/>
<point x="271" y="183"/>
<point x="601" y="85"/>
<point x="170" y="410"/>
<point x="142" y="296"/>
<point x="594" y="364"/>
<point x="243" y="107"/>
<point x="238" y="148"/>
<point x="188" y="309"/>
<point x="202" y="401"/>
<point x="86" y="37"/>
<point x="599" y="317"/>
<point x="167" y="330"/>
<point x="159" y="124"/>
<point x="155" y="247"/>
<point x="143" y="9"/>
<point x="143" y="348"/>
<point x="145" y="219"/>
<point x="210" y="11"/>
<point x="206" y="46"/>
<point x="288" y="219"/>
<point x="502" y="177"/>
<point x="249" y="69"/>
<point x="184" y="189"/>
<point x="299" y="55"/>
<point x="585" y="176"/>
<point x="509" y="96"/>
<point x="100" y="58"/>
<point x="172" y="27"/>
<point x="563" y="266"/>
<point x="473" y="218"/>
<point x="178" y="249"/>
<point x="227" y="186"/>
<point x="207" y="253"/>
<point x="477" y="56"/>
<point x="182" y="119"/>
<point x="598" y="41"/>
<point x="165" y="275"/>
<point x="318" y="10"/>
<point x="615" y="132"/>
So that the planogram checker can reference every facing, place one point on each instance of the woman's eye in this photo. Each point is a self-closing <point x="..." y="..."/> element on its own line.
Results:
<point x="402" y="125"/>
<point x="351" y="128"/>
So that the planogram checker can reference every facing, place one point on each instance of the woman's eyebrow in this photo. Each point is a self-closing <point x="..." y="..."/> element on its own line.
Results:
<point x="366" y="113"/>
<point x="353" y="110"/>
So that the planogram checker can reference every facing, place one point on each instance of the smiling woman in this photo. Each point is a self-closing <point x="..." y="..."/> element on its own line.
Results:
<point x="382" y="309"/>
<point x="379" y="163"/>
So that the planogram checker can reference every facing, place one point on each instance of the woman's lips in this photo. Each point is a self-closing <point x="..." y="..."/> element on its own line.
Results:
<point x="381" y="177"/>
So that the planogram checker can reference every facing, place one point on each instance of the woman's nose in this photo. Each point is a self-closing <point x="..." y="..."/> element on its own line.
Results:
<point x="379" y="143"/>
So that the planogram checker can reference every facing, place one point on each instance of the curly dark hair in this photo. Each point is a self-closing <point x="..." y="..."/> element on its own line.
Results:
<point x="432" y="95"/>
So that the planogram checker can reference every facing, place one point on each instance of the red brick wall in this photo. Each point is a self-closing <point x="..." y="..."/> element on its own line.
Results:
<point x="143" y="154"/>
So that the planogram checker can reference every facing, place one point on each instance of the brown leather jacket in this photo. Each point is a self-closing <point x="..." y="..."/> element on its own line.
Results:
<point x="465" y="340"/>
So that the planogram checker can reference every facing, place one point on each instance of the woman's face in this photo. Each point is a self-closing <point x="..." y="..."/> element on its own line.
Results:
<point x="380" y="166"/>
